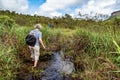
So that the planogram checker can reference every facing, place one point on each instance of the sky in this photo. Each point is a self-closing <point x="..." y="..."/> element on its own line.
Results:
<point x="52" y="8"/>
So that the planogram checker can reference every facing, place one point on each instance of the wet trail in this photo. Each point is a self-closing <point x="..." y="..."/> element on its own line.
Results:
<point x="58" y="66"/>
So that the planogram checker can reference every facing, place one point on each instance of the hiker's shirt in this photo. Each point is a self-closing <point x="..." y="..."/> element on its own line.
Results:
<point x="38" y="36"/>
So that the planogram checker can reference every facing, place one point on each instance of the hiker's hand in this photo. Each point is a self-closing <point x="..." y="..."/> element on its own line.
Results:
<point x="48" y="49"/>
<point x="44" y="48"/>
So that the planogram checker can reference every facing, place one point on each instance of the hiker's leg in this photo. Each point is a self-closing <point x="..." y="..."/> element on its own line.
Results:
<point x="32" y="52"/>
<point x="36" y="54"/>
<point x="35" y="63"/>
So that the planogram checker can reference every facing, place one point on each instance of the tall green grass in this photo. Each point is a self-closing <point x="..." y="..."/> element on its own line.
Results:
<point x="89" y="47"/>
<point x="118" y="52"/>
<point x="21" y="32"/>
<point x="93" y="41"/>
<point x="8" y="62"/>
<point x="92" y="54"/>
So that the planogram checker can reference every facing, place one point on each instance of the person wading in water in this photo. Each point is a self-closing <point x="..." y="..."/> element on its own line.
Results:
<point x="35" y="50"/>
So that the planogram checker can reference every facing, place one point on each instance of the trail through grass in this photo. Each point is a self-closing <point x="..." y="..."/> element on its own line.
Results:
<point x="87" y="48"/>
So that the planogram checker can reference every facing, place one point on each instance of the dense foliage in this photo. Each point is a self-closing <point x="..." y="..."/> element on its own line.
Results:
<point x="92" y="46"/>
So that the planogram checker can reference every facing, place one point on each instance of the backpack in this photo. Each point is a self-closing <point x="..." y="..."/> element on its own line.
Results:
<point x="30" y="40"/>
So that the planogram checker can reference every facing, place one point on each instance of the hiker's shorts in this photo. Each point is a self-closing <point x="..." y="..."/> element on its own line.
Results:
<point x="35" y="52"/>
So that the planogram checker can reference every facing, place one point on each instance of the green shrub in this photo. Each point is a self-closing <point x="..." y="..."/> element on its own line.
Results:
<point x="21" y="33"/>
<point x="82" y="39"/>
<point x="8" y="62"/>
<point x="92" y="42"/>
<point x="6" y="22"/>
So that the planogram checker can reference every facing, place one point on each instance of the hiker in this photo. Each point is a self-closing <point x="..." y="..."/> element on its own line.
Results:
<point x="49" y="25"/>
<point x="35" y="49"/>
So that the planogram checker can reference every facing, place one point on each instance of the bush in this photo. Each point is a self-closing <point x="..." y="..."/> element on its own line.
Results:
<point x="92" y="42"/>
<point x="82" y="39"/>
<point x="6" y="22"/>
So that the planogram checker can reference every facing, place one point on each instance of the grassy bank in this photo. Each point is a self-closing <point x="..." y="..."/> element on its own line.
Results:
<point x="94" y="51"/>
<point x="95" y="55"/>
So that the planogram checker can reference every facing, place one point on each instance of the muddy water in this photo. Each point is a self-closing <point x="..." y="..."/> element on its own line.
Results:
<point x="58" y="66"/>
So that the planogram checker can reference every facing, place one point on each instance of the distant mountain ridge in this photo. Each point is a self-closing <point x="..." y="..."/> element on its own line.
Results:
<point x="116" y="13"/>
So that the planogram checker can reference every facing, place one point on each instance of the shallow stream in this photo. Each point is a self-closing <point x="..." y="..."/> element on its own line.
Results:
<point x="59" y="68"/>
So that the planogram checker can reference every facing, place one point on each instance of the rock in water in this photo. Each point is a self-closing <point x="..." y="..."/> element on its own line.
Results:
<point x="68" y="67"/>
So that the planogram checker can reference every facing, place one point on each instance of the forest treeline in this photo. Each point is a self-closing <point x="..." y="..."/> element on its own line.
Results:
<point x="65" y="21"/>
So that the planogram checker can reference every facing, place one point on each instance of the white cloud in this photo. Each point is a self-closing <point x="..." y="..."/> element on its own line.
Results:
<point x="20" y="6"/>
<point x="51" y="6"/>
<point x="97" y="6"/>
<point x="55" y="13"/>
<point x="48" y="13"/>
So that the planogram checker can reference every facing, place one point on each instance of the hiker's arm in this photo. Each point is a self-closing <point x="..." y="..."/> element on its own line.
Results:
<point x="42" y="43"/>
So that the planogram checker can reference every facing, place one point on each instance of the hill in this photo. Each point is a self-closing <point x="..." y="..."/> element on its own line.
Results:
<point x="115" y="14"/>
